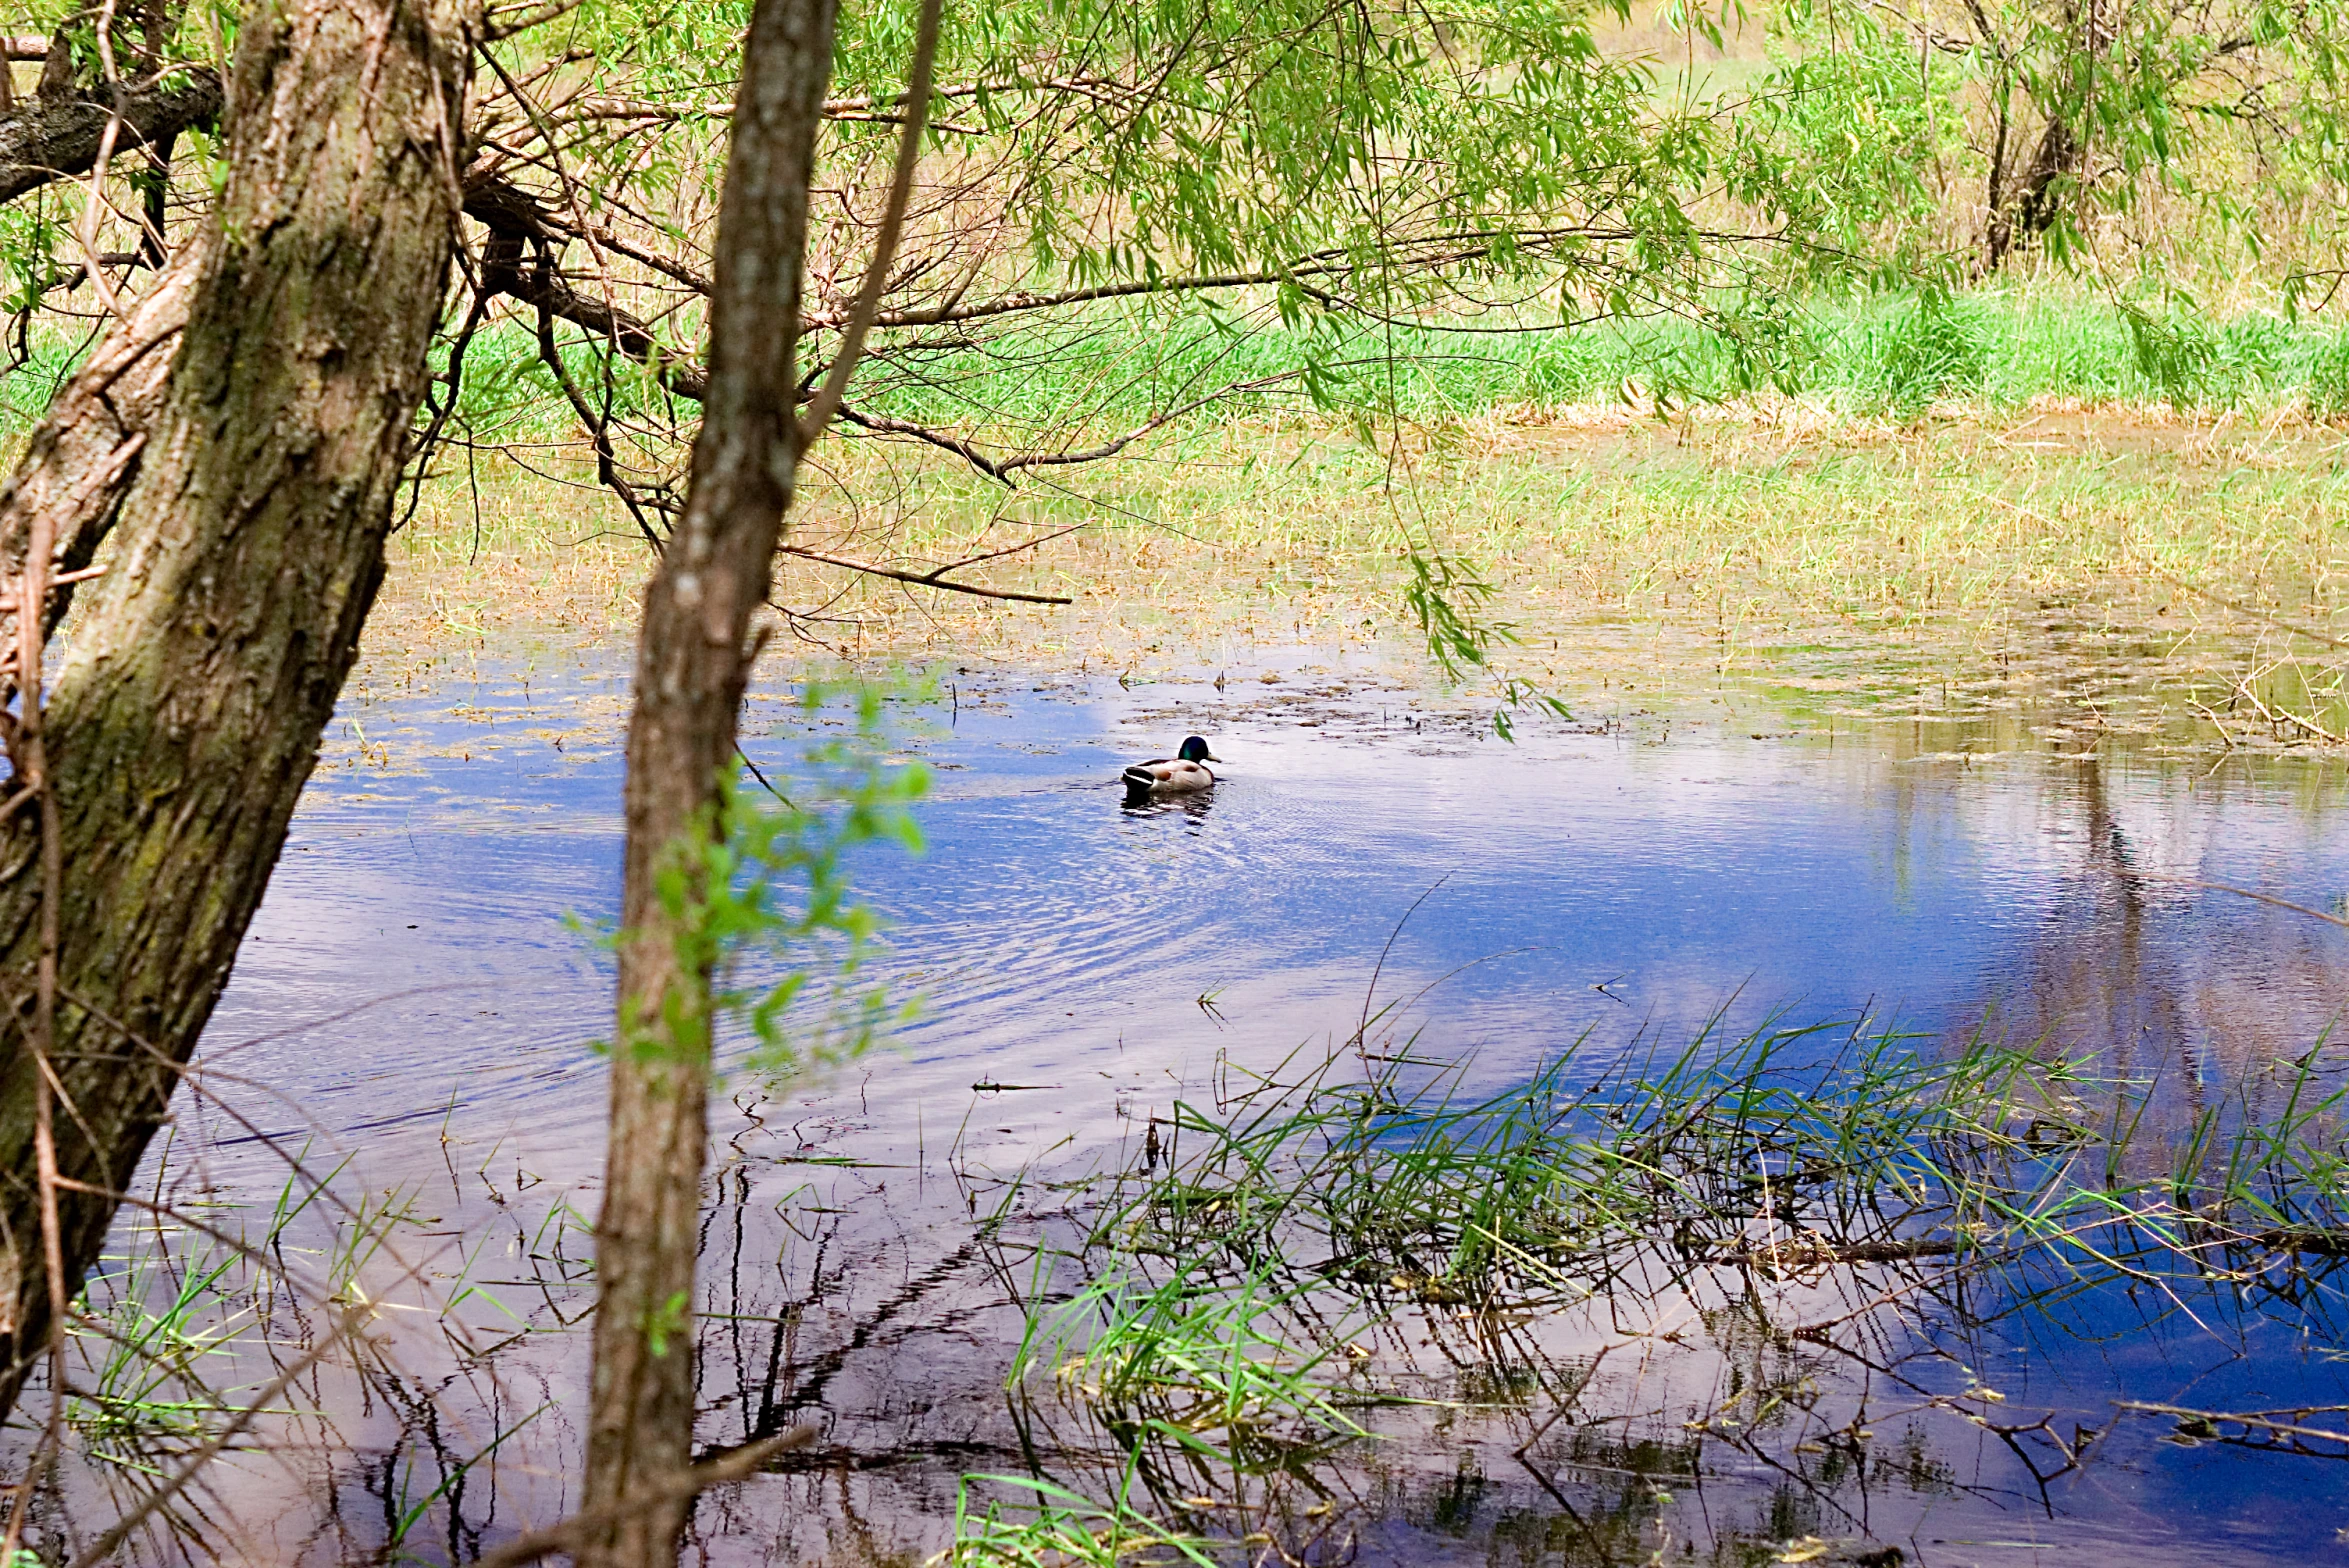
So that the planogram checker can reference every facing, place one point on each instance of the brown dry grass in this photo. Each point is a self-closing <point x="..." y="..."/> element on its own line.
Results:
<point x="1821" y="558"/>
<point x="1776" y="515"/>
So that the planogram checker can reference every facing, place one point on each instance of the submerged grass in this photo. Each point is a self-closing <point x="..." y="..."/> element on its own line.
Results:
<point x="1768" y="1153"/>
<point x="1185" y="1362"/>
<point x="215" y="1332"/>
<point x="1371" y="1235"/>
<point x="1033" y="1523"/>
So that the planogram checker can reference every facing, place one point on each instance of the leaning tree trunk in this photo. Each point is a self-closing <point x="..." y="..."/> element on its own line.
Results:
<point x="187" y="714"/>
<point x="692" y="661"/>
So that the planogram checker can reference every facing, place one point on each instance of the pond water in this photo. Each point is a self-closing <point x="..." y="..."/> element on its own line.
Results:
<point x="412" y="995"/>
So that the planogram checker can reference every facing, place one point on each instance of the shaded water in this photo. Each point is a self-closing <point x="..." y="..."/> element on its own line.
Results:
<point x="411" y="993"/>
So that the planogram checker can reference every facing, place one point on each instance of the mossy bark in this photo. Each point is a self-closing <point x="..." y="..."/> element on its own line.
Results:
<point x="188" y="710"/>
<point x="84" y="454"/>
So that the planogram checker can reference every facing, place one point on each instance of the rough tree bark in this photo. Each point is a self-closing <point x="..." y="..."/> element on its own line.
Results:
<point x="693" y="659"/>
<point x="85" y="452"/>
<point x="187" y="714"/>
<point x="41" y="137"/>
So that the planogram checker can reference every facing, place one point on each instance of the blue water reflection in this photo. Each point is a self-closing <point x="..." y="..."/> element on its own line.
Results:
<point x="1611" y="884"/>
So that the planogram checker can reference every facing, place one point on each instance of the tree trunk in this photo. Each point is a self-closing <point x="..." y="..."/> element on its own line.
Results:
<point x="85" y="451"/>
<point x="692" y="661"/>
<point x="188" y="711"/>
<point x="2055" y="169"/>
<point x="1998" y="231"/>
<point x="2031" y="201"/>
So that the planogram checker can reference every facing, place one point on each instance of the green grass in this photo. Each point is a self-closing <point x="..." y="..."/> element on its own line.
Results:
<point x="1033" y="1523"/>
<point x="1892" y="356"/>
<point x="1846" y="507"/>
<point x="1097" y="374"/>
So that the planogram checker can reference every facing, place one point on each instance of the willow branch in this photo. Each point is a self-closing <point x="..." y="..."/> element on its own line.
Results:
<point x="868" y="299"/>
<point x="932" y="579"/>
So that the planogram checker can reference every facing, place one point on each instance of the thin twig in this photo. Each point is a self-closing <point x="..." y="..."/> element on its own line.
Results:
<point x="2216" y="1417"/>
<point x="868" y="299"/>
<point x="2244" y="892"/>
<point x="935" y="579"/>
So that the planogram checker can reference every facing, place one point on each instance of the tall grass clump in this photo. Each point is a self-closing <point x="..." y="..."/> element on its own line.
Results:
<point x="2328" y="377"/>
<point x="1364" y="1233"/>
<point x="1929" y="349"/>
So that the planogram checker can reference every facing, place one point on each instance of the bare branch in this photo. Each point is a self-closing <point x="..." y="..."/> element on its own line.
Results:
<point x="935" y="579"/>
<point x="868" y="300"/>
<point x="1118" y="444"/>
<point x="47" y="139"/>
<point x="731" y="1466"/>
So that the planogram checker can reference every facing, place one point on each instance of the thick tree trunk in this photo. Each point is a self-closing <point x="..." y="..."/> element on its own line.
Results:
<point x="693" y="659"/>
<point x="188" y="712"/>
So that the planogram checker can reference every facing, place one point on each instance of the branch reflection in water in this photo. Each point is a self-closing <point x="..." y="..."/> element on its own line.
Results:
<point x="1925" y="1112"/>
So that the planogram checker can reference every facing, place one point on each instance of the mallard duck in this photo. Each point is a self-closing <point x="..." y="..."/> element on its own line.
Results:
<point x="1184" y="773"/>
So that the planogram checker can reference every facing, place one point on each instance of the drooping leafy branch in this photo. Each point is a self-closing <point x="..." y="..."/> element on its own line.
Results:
<point x="2071" y="125"/>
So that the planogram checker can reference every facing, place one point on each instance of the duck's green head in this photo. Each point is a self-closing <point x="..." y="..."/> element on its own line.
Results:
<point x="1195" y="750"/>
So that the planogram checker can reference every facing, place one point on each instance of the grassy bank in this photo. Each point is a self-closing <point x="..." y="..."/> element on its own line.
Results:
<point x="1833" y="559"/>
<point x="1895" y="356"/>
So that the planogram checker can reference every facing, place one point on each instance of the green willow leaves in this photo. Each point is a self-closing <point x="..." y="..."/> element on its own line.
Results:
<point x="765" y="906"/>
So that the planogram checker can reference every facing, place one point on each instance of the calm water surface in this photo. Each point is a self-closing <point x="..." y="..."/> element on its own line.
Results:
<point x="412" y="992"/>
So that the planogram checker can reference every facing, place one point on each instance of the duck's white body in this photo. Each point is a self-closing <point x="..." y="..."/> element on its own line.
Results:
<point x="1170" y="776"/>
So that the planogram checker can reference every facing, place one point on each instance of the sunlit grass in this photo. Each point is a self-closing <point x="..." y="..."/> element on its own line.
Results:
<point x="1780" y="543"/>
